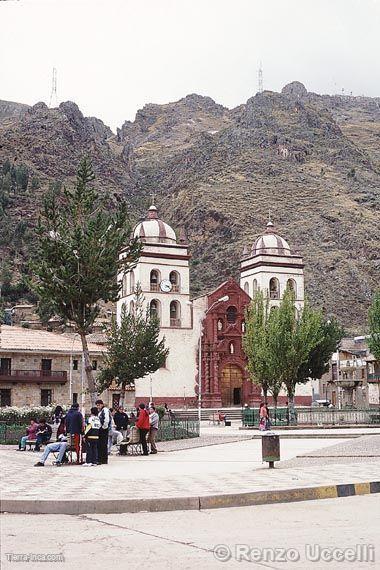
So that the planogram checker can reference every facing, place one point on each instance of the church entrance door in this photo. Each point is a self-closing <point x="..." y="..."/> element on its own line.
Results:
<point x="232" y="385"/>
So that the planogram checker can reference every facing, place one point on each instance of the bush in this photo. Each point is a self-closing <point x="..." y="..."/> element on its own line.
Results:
<point x="23" y="415"/>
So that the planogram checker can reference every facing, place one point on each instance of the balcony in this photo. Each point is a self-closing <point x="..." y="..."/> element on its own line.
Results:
<point x="176" y="323"/>
<point x="175" y="288"/>
<point x="373" y="377"/>
<point x="154" y="287"/>
<point x="34" y="376"/>
<point x="274" y="294"/>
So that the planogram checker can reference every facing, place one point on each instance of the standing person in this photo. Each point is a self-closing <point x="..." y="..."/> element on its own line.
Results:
<point x="105" y="420"/>
<point x="114" y="436"/>
<point x="154" y="420"/>
<point x="43" y="434"/>
<point x="121" y="421"/>
<point x="31" y="435"/>
<point x="143" y="424"/>
<point x="75" y="427"/>
<point x="264" y="422"/>
<point x="91" y="435"/>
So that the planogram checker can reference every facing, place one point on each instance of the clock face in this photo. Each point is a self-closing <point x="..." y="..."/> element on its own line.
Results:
<point x="166" y="286"/>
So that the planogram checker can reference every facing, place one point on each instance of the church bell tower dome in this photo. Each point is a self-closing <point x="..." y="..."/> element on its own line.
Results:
<point x="154" y="230"/>
<point x="270" y="243"/>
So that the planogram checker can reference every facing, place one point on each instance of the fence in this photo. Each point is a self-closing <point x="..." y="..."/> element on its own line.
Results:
<point x="168" y="430"/>
<point x="315" y="417"/>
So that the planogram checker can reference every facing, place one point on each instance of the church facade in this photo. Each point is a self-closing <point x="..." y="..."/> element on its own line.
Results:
<point x="205" y="332"/>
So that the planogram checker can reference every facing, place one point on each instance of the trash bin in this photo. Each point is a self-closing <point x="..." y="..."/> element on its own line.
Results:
<point x="270" y="443"/>
<point x="227" y="423"/>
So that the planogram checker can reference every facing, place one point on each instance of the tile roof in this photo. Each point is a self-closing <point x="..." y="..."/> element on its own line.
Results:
<point x="19" y="339"/>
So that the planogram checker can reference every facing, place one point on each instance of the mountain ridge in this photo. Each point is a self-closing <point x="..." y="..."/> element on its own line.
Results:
<point x="313" y="160"/>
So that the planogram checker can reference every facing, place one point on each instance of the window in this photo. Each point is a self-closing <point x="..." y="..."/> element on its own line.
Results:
<point x="246" y="287"/>
<point x="5" y="397"/>
<point x="174" y="280"/>
<point x="124" y="289"/>
<point x="154" y="309"/>
<point x="5" y="366"/>
<point x="75" y="397"/>
<point x="46" y="366"/>
<point x="254" y="286"/>
<point x="274" y="288"/>
<point x="132" y="308"/>
<point x="75" y="364"/>
<point x="291" y="284"/>
<point x="46" y="397"/>
<point x="132" y="282"/>
<point x="231" y="314"/>
<point x="175" y="314"/>
<point x="94" y="364"/>
<point x="154" y="280"/>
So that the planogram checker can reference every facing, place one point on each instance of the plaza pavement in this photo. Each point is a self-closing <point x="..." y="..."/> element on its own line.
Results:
<point x="224" y="474"/>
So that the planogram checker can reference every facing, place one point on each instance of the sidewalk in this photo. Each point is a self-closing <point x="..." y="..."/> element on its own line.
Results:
<point x="217" y="475"/>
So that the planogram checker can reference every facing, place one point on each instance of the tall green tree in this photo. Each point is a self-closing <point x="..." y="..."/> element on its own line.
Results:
<point x="133" y="348"/>
<point x="318" y="363"/>
<point x="374" y="325"/>
<point x="80" y="237"/>
<point x="292" y="339"/>
<point x="261" y="361"/>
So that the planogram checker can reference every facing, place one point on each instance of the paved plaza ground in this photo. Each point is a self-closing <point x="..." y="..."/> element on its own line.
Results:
<point x="187" y="539"/>
<point x="232" y="467"/>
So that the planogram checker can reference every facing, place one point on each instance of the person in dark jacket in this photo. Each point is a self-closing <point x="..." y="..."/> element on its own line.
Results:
<point x="75" y="426"/>
<point x="121" y="420"/>
<point x="43" y="433"/>
<point x="105" y="424"/>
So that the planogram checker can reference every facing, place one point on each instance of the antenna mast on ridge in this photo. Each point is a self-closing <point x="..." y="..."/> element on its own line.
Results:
<point x="260" y="78"/>
<point x="53" y="95"/>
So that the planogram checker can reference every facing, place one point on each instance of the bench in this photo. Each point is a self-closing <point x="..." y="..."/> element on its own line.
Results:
<point x="132" y="445"/>
<point x="215" y="419"/>
<point x="32" y="443"/>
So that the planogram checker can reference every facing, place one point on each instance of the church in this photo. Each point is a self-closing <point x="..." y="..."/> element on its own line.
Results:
<point x="206" y="332"/>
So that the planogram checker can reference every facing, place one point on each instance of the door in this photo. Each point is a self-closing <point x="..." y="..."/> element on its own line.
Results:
<point x="232" y="383"/>
<point x="46" y="366"/>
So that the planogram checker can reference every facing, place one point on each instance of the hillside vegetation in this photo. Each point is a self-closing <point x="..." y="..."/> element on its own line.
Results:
<point x="313" y="161"/>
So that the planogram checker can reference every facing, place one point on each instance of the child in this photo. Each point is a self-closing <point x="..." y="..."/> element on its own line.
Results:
<point x="91" y="435"/>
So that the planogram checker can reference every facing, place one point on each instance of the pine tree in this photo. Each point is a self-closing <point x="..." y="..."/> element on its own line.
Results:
<point x="133" y="348"/>
<point x="77" y="257"/>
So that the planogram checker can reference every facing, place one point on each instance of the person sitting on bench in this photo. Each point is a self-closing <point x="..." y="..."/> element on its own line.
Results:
<point x="31" y="434"/>
<point x="44" y="432"/>
<point x="59" y="446"/>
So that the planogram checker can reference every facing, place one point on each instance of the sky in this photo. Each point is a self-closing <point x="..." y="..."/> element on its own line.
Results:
<point x="114" y="56"/>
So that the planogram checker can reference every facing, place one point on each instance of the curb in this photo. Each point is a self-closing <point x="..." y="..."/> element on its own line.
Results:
<point x="72" y="507"/>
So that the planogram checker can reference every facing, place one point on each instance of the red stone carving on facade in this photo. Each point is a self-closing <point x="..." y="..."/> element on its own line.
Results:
<point x="225" y="379"/>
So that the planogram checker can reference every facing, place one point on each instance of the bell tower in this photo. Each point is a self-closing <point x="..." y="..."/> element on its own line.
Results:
<point x="271" y="266"/>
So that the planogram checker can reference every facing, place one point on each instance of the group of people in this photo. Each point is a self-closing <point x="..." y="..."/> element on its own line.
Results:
<point x="94" y="436"/>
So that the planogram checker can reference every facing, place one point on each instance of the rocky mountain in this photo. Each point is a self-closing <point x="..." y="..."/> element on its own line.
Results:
<point x="312" y="160"/>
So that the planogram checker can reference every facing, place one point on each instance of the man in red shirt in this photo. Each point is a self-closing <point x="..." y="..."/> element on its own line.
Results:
<point x="143" y="425"/>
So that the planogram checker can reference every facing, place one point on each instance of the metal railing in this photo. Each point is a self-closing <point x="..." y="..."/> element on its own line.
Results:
<point x="315" y="416"/>
<point x="177" y="429"/>
<point x="33" y="376"/>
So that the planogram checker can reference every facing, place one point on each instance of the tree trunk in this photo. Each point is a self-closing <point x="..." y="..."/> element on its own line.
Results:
<point x="88" y="370"/>
<point x="291" y="410"/>
<point x="122" y="394"/>
<point x="265" y="392"/>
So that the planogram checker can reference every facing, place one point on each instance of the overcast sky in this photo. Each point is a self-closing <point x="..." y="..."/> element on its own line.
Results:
<point x="114" y="56"/>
